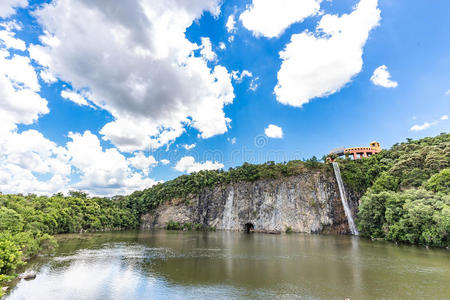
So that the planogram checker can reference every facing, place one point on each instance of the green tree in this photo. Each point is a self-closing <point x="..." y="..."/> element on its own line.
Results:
<point x="10" y="220"/>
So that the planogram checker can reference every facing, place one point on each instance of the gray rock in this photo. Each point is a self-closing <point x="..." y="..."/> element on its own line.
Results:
<point x="309" y="203"/>
<point x="29" y="275"/>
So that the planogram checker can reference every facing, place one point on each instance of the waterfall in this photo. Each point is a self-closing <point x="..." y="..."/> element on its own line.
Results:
<point x="347" y="211"/>
<point x="227" y="214"/>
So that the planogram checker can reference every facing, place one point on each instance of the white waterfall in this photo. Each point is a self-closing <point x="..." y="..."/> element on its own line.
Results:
<point x="227" y="214"/>
<point x="347" y="211"/>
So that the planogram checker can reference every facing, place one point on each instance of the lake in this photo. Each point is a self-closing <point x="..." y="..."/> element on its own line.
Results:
<point x="234" y="265"/>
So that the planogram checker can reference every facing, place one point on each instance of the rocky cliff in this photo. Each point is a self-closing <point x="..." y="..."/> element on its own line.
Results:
<point x="305" y="203"/>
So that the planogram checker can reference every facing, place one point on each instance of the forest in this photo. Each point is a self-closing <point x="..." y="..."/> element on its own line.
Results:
<point x="406" y="192"/>
<point x="405" y="197"/>
<point x="28" y="223"/>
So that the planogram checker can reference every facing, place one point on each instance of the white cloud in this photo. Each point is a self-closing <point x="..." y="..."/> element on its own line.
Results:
<point x="104" y="172"/>
<point x="165" y="161"/>
<point x="243" y="74"/>
<point x="271" y="18"/>
<point x="188" y="164"/>
<point x="254" y="84"/>
<point x="206" y="50"/>
<point x="222" y="46"/>
<point x="189" y="147"/>
<point x="422" y="126"/>
<point x="30" y="163"/>
<point x="142" y="162"/>
<point x="141" y="134"/>
<point x="74" y="97"/>
<point x="142" y="69"/>
<point x="47" y="77"/>
<point x="273" y="131"/>
<point x="231" y="24"/>
<point x="382" y="77"/>
<point x="25" y="157"/>
<point x="8" y="39"/>
<point x="447" y="93"/>
<point x="19" y="87"/>
<point x="319" y="64"/>
<point x="426" y="125"/>
<point x="8" y="7"/>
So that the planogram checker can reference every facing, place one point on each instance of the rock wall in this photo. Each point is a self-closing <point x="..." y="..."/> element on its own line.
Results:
<point x="306" y="203"/>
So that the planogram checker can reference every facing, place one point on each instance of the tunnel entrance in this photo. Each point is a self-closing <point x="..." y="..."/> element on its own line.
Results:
<point x="249" y="227"/>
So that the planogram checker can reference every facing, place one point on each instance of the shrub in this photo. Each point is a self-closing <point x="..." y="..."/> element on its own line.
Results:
<point x="172" y="225"/>
<point x="439" y="182"/>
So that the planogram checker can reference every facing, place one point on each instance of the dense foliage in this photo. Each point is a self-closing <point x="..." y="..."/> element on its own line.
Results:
<point x="406" y="192"/>
<point x="173" y="225"/>
<point x="27" y="223"/>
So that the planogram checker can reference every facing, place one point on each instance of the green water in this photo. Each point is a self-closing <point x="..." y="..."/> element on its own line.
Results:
<point x="232" y="265"/>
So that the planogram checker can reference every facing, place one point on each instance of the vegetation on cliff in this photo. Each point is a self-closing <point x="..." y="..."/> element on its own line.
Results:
<point x="406" y="192"/>
<point x="180" y="187"/>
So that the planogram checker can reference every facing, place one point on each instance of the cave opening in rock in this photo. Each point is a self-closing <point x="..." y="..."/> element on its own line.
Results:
<point x="248" y="227"/>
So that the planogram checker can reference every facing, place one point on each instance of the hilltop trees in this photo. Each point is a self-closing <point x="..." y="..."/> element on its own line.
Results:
<point x="406" y="192"/>
<point x="27" y="223"/>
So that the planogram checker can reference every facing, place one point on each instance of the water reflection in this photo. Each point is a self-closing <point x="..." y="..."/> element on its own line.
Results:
<point x="231" y="265"/>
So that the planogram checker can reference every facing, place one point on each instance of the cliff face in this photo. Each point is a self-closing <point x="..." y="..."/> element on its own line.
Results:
<point x="306" y="203"/>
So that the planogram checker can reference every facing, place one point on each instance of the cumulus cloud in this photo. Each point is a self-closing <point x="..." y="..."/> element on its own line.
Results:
<point x="188" y="164"/>
<point x="222" y="46"/>
<point x="27" y="156"/>
<point x="319" y="64"/>
<point x="239" y="76"/>
<point x="426" y="125"/>
<point x="206" y="50"/>
<point x="271" y="18"/>
<point x="8" y="39"/>
<point x="8" y="7"/>
<point x="231" y="24"/>
<point x="382" y="77"/>
<point x="20" y="101"/>
<point x="47" y="77"/>
<point x="30" y="163"/>
<point x="137" y="63"/>
<point x="105" y="171"/>
<point x="142" y="162"/>
<point x="273" y="131"/>
<point x="74" y="97"/>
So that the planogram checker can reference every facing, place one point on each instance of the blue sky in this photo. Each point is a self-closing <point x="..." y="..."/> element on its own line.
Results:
<point x="110" y="98"/>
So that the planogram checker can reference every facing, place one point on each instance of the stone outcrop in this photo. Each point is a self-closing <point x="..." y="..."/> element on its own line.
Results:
<point x="305" y="203"/>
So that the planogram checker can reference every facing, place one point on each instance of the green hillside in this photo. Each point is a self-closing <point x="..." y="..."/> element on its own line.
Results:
<point x="406" y="192"/>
